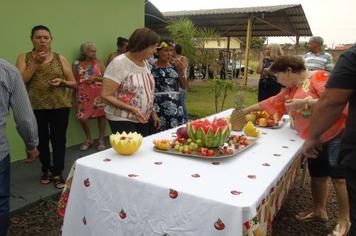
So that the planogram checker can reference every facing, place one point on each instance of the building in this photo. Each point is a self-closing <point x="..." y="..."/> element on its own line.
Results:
<point x="72" y="23"/>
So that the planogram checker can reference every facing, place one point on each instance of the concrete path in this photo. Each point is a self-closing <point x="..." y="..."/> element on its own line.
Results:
<point x="26" y="190"/>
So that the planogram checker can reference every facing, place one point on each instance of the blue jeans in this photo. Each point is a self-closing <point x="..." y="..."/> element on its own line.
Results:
<point x="4" y="194"/>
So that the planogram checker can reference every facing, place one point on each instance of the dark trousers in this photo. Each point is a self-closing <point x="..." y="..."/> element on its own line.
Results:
<point x="52" y="126"/>
<point x="4" y="195"/>
<point x="128" y="126"/>
<point x="351" y="188"/>
<point x="267" y="87"/>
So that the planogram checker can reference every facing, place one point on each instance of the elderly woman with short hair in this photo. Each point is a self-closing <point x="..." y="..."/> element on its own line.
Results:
<point x="88" y="72"/>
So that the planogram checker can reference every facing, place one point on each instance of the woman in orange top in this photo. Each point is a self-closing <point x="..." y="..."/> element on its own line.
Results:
<point x="302" y="91"/>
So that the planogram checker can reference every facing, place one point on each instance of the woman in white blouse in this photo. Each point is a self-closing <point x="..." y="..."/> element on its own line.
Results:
<point x="128" y="86"/>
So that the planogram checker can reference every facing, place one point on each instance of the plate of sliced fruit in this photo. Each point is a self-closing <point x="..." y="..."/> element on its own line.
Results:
<point x="186" y="147"/>
<point x="205" y="139"/>
<point x="265" y="120"/>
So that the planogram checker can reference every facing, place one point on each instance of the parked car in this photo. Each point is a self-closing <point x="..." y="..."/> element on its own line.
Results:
<point x="242" y="68"/>
<point x="239" y="67"/>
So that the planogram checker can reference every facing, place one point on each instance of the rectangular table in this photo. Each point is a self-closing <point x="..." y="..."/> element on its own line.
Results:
<point x="152" y="193"/>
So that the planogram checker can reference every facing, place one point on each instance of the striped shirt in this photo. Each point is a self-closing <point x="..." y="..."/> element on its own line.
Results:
<point x="13" y="95"/>
<point x="135" y="88"/>
<point x="321" y="61"/>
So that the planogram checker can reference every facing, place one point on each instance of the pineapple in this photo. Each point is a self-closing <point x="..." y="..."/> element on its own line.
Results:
<point x="237" y="116"/>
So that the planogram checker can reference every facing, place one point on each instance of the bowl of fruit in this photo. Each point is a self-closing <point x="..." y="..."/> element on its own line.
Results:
<point x="126" y="143"/>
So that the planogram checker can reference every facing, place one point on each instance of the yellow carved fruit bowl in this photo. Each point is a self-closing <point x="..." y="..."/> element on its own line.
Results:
<point x="126" y="143"/>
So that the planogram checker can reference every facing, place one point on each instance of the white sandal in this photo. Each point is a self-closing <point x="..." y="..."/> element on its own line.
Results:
<point x="336" y="231"/>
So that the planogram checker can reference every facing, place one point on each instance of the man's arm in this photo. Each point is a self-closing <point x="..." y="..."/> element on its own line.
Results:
<point x="25" y="119"/>
<point x="325" y="112"/>
<point x="328" y="109"/>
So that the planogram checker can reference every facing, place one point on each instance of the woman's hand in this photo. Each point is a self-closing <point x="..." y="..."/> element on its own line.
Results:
<point x="295" y="104"/>
<point x="155" y="119"/>
<point x="56" y="82"/>
<point x="179" y="65"/>
<point x="139" y="116"/>
<point x="41" y="57"/>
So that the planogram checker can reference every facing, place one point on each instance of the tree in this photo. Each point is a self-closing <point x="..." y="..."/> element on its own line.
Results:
<point x="221" y="89"/>
<point x="256" y="42"/>
<point x="287" y="46"/>
<point x="193" y="40"/>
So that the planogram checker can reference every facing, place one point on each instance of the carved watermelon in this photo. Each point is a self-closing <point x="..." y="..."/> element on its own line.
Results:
<point x="211" y="134"/>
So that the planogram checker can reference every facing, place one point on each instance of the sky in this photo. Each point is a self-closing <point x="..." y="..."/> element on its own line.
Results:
<point x="333" y="20"/>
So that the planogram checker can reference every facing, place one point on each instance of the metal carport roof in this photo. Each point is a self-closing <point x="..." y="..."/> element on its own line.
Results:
<point x="281" y="20"/>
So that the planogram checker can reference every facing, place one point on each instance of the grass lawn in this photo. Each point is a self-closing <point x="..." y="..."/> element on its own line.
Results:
<point x="201" y="102"/>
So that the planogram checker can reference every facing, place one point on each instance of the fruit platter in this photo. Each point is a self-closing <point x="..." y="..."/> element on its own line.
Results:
<point x="265" y="120"/>
<point x="205" y="139"/>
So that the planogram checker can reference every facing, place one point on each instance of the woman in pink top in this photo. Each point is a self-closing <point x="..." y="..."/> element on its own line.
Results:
<point x="302" y="90"/>
<point x="88" y="73"/>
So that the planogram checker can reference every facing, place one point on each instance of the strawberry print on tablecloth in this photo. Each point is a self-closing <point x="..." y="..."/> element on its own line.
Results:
<point x="173" y="193"/>
<point x="219" y="225"/>
<point x="86" y="182"/>
<point x="61" y="211"/>
<point x="132" y="175"/>
<point x="122" y="214"/>
<point x="234" y="192"/>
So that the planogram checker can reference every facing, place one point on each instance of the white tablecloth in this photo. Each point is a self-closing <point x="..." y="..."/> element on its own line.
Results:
<point x="151" y="193"/>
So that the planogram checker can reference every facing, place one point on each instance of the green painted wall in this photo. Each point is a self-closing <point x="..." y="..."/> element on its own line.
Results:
<point x="72" y="22"/>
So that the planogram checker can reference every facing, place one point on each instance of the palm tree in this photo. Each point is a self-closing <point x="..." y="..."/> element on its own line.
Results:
<point x="193" y="40"/>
